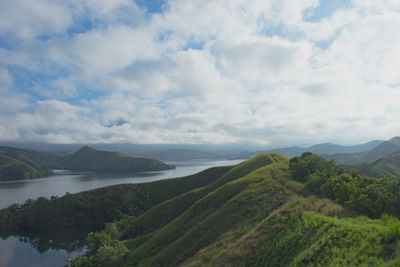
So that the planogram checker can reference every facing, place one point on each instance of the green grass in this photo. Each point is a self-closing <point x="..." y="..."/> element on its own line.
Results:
<point x="170" y="209"/>
<point x="306" y="238"/>
<point x="236" y="204"/>
<point x="305" y="232"/>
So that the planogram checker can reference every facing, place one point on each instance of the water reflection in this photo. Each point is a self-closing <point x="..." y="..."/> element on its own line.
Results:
<point x="68" y="239"/>
<point x="34" y="248"/>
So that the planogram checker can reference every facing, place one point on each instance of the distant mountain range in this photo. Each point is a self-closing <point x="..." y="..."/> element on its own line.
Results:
<point x="178" y="152"/>
<point x="18" y="163"/>
<point x="180" y="155"/>
<point x="380" y="161"/>
<point x="319" y="149"/>
<point x="384" y="149"/>
<point x="375" y="158"/>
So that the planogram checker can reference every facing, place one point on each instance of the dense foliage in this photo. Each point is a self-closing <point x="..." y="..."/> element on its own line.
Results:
<point x="368" y="196"/>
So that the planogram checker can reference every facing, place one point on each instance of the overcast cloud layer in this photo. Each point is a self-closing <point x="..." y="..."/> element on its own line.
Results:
<point x="270" y="72"/>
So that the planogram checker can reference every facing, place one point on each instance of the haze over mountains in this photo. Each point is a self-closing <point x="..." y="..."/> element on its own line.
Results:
<point x="325" y="148"/>
<point x="375" y="158"/>
<point x="381" y="161"/>
<point x="174" y="152"/>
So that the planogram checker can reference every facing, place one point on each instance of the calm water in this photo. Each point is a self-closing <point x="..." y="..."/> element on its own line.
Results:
<point x="53" y="249"/>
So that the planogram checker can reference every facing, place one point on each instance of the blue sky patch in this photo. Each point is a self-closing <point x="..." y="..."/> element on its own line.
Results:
<point x="325" y="9"/>
<point x="151" y="6"/>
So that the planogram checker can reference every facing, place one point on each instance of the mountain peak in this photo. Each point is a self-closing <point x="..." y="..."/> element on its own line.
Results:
<point x="86" y="149"/>
<point x="395" y="139"/>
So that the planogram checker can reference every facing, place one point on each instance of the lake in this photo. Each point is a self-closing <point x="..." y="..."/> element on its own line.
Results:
<point x="54" y="249"/>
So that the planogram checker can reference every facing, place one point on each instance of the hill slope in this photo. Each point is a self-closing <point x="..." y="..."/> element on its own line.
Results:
<point x="383" y="167"/>
<point x="16" y="163"/>
<point x="386" y="148"/>
<point x="90" y="159"/>
<point x="23" y="164"/>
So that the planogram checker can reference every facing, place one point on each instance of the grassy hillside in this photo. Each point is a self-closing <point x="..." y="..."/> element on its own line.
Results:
<point x="235" y="204"/>
<point x="265" y="218"/>
<point x="168" y="210"/>
<point x="268" y="211"/>
<point x="305" y="232"/>
<point x="23" y="164"/>
<point x="90" y="159"/>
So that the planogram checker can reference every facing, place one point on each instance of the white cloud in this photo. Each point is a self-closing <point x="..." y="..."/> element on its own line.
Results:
<point x="29" y="19"/>
<point x="202" y="72"/>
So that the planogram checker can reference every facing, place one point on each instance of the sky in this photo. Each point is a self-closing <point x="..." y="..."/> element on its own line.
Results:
<point x="264" y="72"/>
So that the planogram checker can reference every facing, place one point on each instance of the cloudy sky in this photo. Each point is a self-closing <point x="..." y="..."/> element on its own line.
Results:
<point x="268" y="72"/>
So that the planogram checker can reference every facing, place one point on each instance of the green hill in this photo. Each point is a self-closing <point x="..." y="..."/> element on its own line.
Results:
<point x="90" y="159"/>
<point x="23" y="164"/>
<point x="383" y="167"/>
<point x="267" y="211"/>
<point x="18" y="163"/>
<point x="386" y="148"/>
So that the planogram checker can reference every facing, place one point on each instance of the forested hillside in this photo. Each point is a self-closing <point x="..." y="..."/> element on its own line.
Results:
<point x="24" y="164"/>
<point x="90" y="159"/>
